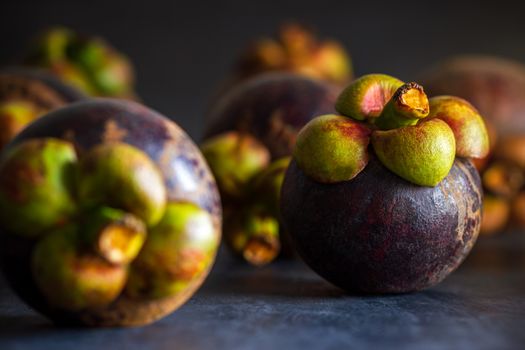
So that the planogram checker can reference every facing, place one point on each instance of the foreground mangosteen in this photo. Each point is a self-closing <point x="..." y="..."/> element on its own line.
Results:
<point x="496" y="87"/>
<point x="383" y="197"/>
<point x="87" y="62"/>
<point x="250" y="135"/>
<point x="26" y="94"/>
<point x="109" y="215"/>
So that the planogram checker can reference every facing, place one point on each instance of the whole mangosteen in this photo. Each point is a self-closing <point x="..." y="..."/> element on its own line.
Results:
<point x="26" y="94"/>
<point x="383" y="197"/>
<point x="109" y="215"/>
<point x="249" y="137"/>
<point x="496" y="87"/>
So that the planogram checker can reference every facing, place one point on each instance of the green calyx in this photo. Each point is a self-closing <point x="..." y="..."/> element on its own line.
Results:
<point x="179" y="249"/>
<point x="36" y="186"/>
<point x="71" y="279"/>
<point x="253" y="234"/>
<point x="407" y="106"/>
<point x="422" y="154"/>
<point x="89" y="63"/>
<point x="122" y="176"/>
<point x="366" y="96"/>
<point x="472" y="140"/>
<point x="234" y="158"/>
<point x="97" y="216"/>
<point x="414" y="137"/>
<point x="332" y="148"/>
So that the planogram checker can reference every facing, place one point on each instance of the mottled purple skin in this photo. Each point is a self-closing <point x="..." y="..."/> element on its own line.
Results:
<point x="67" y="93"/>
<point x="89" y="123"/>
<point x="378" y="233"/>
<point x="273" y="107"/>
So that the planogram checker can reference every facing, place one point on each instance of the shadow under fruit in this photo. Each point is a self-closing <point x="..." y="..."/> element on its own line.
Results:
<point x="110" y="216"/>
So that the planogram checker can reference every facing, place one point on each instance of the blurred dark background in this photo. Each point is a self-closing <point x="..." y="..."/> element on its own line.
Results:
<point x="182" y="50"/>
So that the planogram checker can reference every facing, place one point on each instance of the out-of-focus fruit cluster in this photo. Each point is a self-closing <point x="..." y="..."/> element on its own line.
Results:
<point x="61" y="67"/>
<point x="497" y="88"/>
<point x="250" y="134"/>
<point x="88" y="63"/>
<point x="296" y="49"/>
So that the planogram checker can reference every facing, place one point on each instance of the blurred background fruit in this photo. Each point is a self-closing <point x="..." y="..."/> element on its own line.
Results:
<point x="25" y="95"/>
<point x="496" y="87"/>
<point x="89" y="63"/>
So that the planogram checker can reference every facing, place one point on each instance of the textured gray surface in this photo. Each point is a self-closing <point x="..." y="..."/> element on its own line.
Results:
<point x="285" y="306"/>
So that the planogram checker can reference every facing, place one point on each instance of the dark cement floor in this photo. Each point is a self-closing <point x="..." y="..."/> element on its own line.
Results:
<point x="286" y="306"/>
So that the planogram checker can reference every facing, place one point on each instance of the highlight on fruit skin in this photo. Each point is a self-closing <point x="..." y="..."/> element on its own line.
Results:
<point x="411" y="135"/>
<point x="87" y="62"/>
<point x="91" y="215"/>
<point x="297" y="49"/>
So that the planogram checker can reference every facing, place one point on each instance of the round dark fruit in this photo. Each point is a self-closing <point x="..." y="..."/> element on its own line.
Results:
<point x="109" y="215"/>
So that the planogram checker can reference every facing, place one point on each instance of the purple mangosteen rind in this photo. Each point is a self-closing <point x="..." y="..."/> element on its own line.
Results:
<point x="378" y="233"/>
<point x="185" y="176"/>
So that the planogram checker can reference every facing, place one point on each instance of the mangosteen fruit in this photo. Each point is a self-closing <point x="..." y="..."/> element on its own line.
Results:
<point x="248" y="140"/>
<point x="496" y="87"/>
<point x="89" y="63"/>
<point x="26" y="94"/>
<point x="382" y="197"/>
<point x="109" y="215"/>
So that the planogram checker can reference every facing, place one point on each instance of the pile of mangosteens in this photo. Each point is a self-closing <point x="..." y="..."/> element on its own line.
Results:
<point x="110" y="215"/>
<point x="496" y="87"/>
